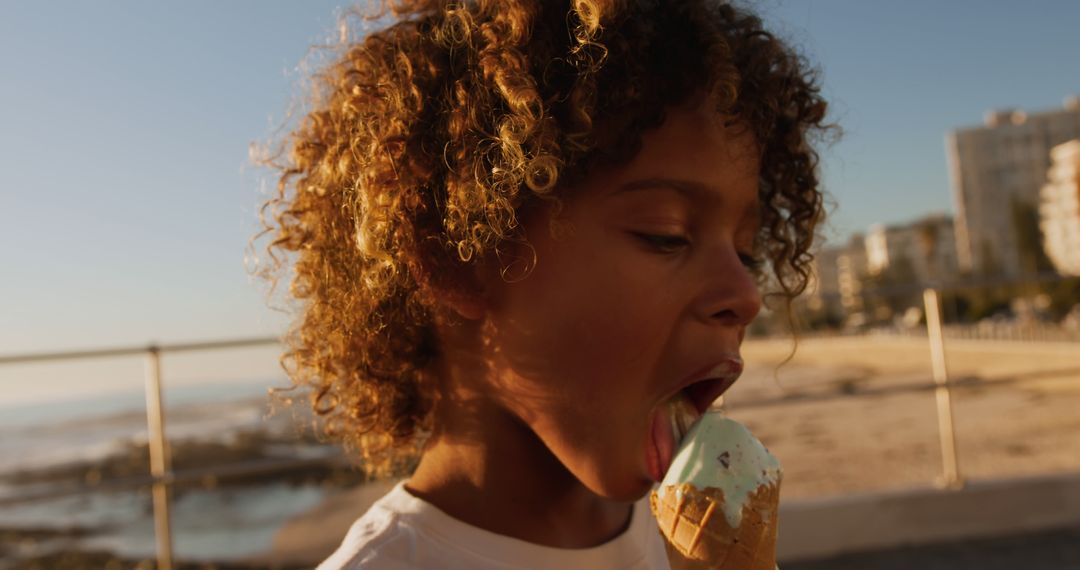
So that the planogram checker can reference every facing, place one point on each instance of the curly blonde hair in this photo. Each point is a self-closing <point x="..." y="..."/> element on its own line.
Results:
<point x="426" y="141"/>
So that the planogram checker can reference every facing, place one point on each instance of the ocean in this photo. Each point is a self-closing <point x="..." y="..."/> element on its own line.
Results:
<point x="45" y="443"/>
<point x="50" y="433"/>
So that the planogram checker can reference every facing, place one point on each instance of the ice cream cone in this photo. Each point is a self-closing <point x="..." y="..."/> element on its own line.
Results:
<point x="718" y="504"/>
<point x="699" y="536"/>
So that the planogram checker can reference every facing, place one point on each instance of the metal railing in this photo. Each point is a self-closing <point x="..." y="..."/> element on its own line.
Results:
<point x="946" y="424"/>
<point x="162" y="477"/>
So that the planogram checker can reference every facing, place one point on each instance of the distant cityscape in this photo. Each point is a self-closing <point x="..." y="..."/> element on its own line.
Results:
<point x="1012" y="252"/>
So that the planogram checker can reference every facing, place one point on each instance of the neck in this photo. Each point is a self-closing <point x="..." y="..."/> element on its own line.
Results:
<point x="486" y="468"/>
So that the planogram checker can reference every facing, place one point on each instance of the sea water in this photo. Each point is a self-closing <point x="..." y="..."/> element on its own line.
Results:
<point x="215" y="524"/>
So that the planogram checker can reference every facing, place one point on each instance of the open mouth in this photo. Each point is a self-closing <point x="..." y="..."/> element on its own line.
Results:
<point x="674" y="418"/>
<point x="706" y="386"/>
<point x="703" y="393"/>
<point x="686" y="407"/>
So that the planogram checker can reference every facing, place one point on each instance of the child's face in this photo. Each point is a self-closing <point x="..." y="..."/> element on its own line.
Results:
<point x="645" y="292"/>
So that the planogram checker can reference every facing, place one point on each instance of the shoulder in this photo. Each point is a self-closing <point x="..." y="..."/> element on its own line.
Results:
<point x="381" y="538"/>
<point x="401" y="531"/>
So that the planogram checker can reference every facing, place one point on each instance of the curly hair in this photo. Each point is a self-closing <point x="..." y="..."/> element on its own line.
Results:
<point x="427" y="140"/>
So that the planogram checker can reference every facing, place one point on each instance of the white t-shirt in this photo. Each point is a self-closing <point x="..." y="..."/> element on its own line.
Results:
<point x="401" y="531"/>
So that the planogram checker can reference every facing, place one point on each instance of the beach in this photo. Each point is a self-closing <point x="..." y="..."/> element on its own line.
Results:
<point x="850" y="415"/>
<point x="845" y="415"/>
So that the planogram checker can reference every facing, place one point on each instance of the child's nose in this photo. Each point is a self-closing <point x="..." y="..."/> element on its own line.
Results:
<point x="732" y="296"/>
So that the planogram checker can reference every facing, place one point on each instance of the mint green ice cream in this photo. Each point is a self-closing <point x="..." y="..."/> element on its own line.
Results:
<point x="721" y="453"/>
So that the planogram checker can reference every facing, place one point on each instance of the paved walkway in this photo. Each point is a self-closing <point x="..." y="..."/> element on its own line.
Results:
<point x="1050" y="550"/>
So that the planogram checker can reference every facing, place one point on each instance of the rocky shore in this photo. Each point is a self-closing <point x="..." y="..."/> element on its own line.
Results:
<point x="118" y="486"/>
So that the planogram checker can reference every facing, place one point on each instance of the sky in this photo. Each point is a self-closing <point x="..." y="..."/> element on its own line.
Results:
<point x="128" y="196"/>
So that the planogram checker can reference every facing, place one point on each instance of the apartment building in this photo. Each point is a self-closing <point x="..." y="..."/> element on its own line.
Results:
<point x="995" y="169"/>
<point x="1059" y="210"/>
<point x="920" y="252"/>
<point x="836" y="286"/>
<point x="850" y="271"/>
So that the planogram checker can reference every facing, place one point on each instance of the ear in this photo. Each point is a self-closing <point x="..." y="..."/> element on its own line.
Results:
<point x="465" y="301"/>
<point x="456" y="290"/>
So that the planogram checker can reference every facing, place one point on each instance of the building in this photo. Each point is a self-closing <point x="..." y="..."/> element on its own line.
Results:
<point x="850" y="271"/>
<point x="888" y="266"/>
<point x="1059" y="210"/>
<point x="996" y="173"/>
<point x="824" y="288"/>
<point x="918" y="253"/>
<point x="836" y="286"/>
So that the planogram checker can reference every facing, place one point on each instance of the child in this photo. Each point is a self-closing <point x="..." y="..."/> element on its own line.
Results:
<point x="519" y="228"/>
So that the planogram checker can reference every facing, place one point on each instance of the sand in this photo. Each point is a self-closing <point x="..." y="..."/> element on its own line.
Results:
<point x="853" y="414"/>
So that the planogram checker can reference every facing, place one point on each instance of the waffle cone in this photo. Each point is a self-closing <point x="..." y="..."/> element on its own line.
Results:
<point x="698" y="536"/>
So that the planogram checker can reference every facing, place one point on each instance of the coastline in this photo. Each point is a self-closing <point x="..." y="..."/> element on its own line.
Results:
<point x="844" y="416"/>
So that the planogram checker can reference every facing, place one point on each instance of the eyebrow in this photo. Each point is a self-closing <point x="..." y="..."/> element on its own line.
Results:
<point x="688" y="188"/>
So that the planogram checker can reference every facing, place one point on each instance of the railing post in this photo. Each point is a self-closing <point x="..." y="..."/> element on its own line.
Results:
<point x="160" y="461"/>
<point x="946" y="426"/>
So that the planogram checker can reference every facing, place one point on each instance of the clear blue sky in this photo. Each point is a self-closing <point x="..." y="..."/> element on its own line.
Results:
<point x="128" y="197"/>
<point x="901" y="74"/>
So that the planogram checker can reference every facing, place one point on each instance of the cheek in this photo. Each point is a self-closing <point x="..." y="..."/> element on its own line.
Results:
<point x="632" y="306"/>
<point x="618" y="332"/>
<point x="592" y="315"/>
<point x="608" y="328"/>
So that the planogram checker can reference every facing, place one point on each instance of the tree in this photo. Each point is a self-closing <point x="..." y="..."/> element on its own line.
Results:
<point x="927" y="236"/>
<point x="893" y="289"/>
<point x="1029" y="238"/>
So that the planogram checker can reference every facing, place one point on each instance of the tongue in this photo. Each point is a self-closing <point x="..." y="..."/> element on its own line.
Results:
<point x="663" y="439"/>
<point x="683" y="416"/>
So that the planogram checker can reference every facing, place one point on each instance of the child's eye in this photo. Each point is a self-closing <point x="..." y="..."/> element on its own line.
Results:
<point x="663" y="243"/>
<point x="750" y="261"/>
